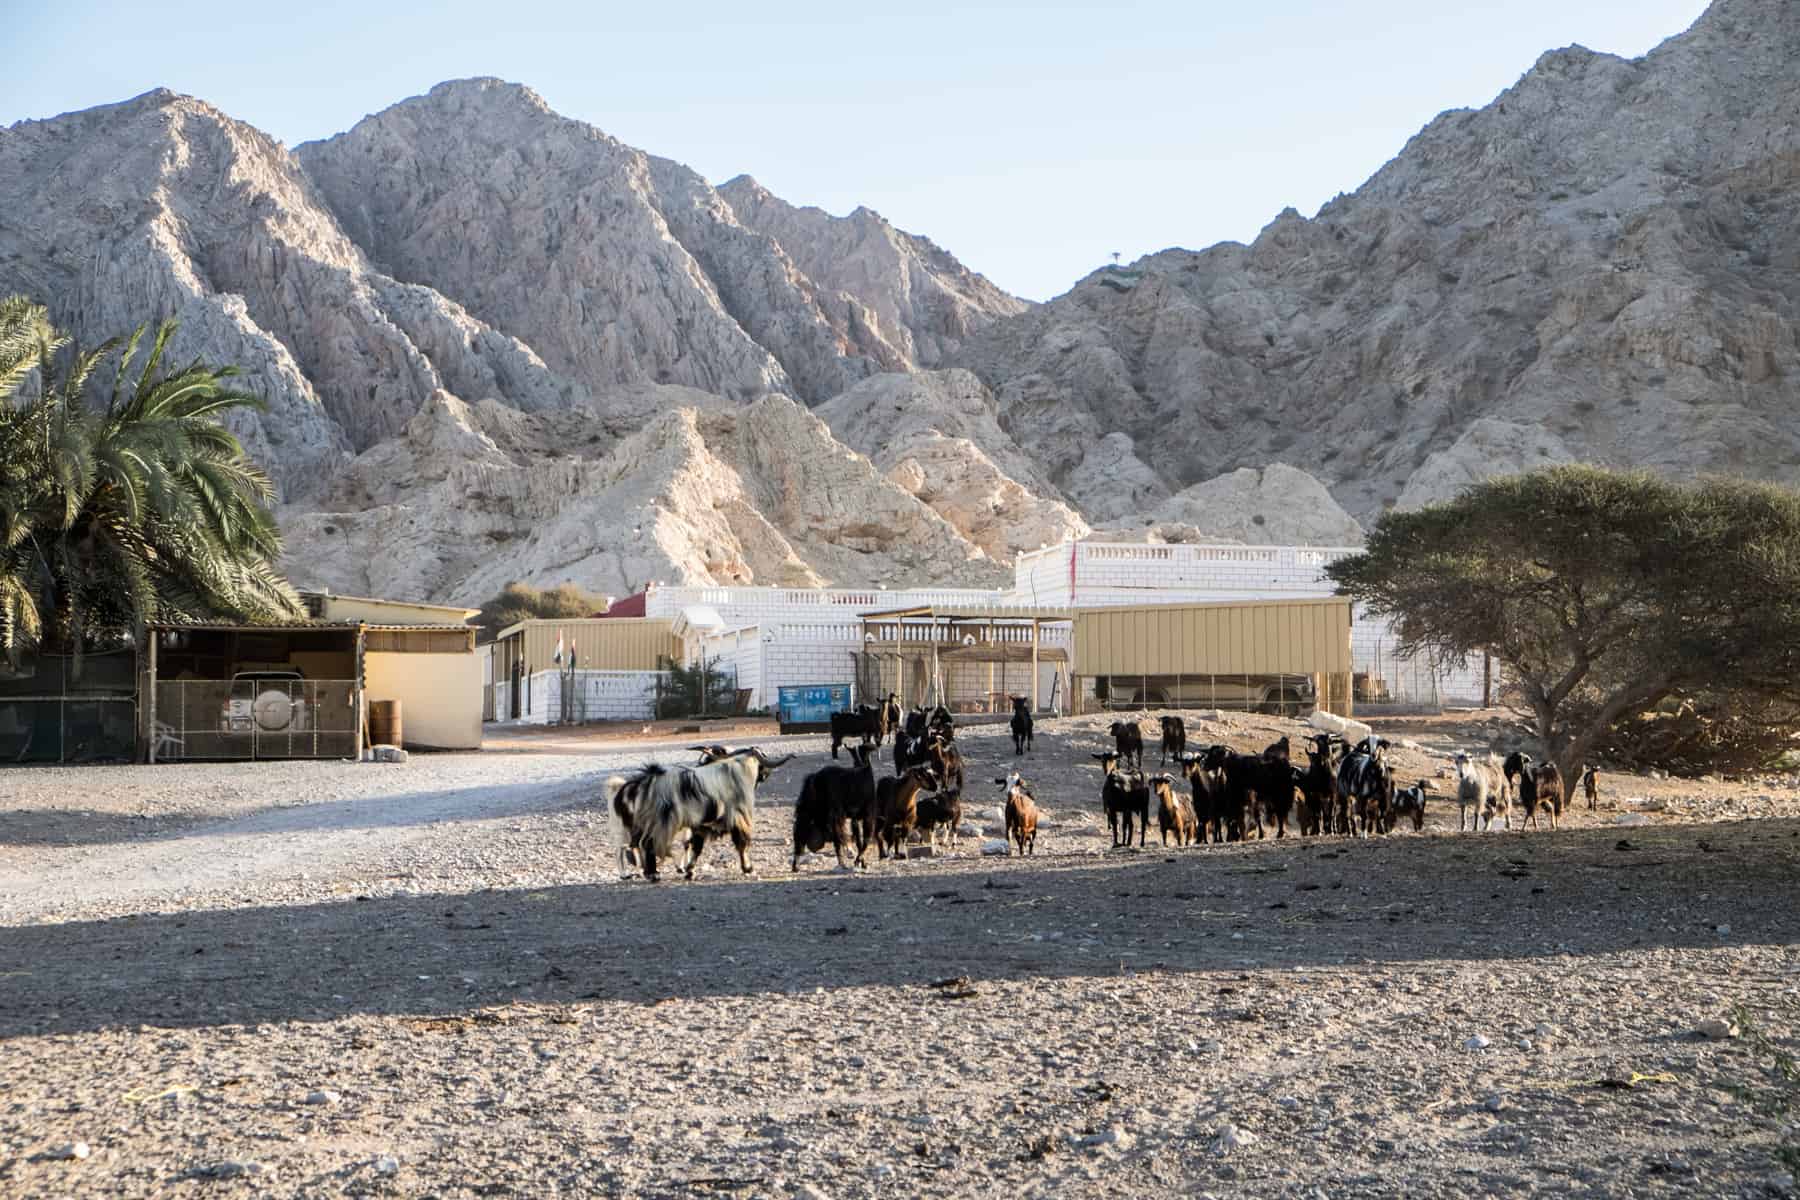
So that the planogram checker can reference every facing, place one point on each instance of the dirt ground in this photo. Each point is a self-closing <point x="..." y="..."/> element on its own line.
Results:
<point x="338" y="979"/>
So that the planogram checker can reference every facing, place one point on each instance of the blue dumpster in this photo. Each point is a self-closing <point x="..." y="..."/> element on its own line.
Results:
<point x="808" y="708"/>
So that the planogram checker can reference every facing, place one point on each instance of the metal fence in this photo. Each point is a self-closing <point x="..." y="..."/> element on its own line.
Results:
<point x="64" y="709"/>
<point x="254" y="719"/>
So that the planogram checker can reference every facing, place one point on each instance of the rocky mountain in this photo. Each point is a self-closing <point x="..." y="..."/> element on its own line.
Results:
<point x="1599" y="265"/>
<point x="497" y="343"/>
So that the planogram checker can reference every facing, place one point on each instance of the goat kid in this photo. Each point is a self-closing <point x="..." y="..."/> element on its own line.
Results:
<point x="897" y="811"/>
<point x="1174" y="811"/>
<point x="1021" y="813"/>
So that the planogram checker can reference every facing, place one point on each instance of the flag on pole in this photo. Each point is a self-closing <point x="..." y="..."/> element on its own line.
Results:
<point x="557" y="657"/>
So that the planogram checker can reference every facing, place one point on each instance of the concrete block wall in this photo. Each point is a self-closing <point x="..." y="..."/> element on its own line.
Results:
<point x="599" y="696"/>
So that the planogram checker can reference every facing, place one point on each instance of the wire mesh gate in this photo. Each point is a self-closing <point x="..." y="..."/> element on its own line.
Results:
<point x="254" y="719"/>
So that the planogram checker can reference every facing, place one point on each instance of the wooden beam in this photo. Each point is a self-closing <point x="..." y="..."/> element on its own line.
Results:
<point x="150" y="702"/>
<point x="1034" y="664"/>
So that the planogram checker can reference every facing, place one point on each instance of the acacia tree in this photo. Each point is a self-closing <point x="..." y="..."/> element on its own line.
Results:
<point x="1603" y="593"/>
<point x="519" y="601"/>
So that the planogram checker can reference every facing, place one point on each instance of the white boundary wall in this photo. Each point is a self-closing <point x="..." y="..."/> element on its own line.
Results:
<point x="599" y="696"/>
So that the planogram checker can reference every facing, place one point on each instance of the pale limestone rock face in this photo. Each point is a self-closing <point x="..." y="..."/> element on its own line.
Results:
<point x="1111" y="482"/>
<point x="1605" y="253"/>
<point x="716" y="493"/>
<point x="1489" y="448"/>
<point x="163" y="206"/>
<point x="936" y="435"/>
<point x="915" y="297"/>
<point x="620" y="267"/>
<point x="1279" y="505"/>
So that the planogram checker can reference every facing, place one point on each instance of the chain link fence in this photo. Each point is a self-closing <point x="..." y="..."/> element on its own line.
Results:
<point x="254" y="719"/>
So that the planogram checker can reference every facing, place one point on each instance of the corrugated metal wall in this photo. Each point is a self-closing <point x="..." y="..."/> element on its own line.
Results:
<point x="1299" y="637"/>
<point x="613" y="644"/>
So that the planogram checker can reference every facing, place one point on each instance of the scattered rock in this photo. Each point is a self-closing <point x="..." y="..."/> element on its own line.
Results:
<point x="1115" y="1137"/>
<point x="920" y="851"/>
<point x="69" y="1151"/>
<point x="1477" y="1043"/>
<point x="323" y="1096"/>
<point x="1290" y="1103"/>
<point x="386" y="1164"/>
<point x="233" y="1169"/>
<point x="1494" y="1102"/>
<point x="1229" y="1138"/>
<point x="1717" y="1029"/>
<point x="995" y="847"/>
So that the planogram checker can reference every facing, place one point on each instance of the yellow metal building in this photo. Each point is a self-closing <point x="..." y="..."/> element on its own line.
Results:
<point x="1182" y="653"/>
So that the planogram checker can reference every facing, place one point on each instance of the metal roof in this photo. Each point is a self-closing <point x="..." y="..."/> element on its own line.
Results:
<point x="1023" y="612"/>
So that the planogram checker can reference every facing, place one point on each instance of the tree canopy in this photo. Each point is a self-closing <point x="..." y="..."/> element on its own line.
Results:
<point x="520" y="602"/>
<point x="1603" y="593"/>
<point x="124" y="499"/>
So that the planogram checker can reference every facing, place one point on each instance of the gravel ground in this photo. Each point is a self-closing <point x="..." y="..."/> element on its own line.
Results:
<point x="338" y="979"/>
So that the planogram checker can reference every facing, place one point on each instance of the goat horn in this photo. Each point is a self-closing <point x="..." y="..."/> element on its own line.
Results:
<point x="766" y="760"/>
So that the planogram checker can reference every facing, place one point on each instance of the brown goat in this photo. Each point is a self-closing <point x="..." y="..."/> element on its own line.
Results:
<point x="1541" y="787"/>
<point x="1590" y="783"/>
<point x="896" y="801"/>
<point x="1175" y="812"/>
<point x="1021" y="813"/>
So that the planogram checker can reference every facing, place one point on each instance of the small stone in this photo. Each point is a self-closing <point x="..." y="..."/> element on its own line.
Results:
<point x="323" y="1096"/>
<point x="1114" y="1137"/>
<point x="1781" y="1183"/>
<point x="919" y="852"/>
<point x="1494" y="1102"/>
<point x="1543" y="1030"/>
<point x="1722" y="930"/>
<point x="994" y="849"/>
<point x="812" y="1192"/>
<point x="234" y="1170"/>
<point x="1477" y="1043"/>
<point x="70" y="1151"/>
<point x="1523" y="1043"/>
<point x="1291" y="1103"/>
<point x="386" y="1164"/>
<point x="1230" y="1138"/>
<point x="1717" y="1029"/>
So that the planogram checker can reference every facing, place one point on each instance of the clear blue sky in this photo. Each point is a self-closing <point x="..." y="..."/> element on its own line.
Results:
<point x="1029" y="139"/>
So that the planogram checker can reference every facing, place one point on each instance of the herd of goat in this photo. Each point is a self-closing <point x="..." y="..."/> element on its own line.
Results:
<point x="1220" y="795"/>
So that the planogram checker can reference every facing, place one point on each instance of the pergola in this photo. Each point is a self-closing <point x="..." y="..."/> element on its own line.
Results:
<point x="926" y="636"/>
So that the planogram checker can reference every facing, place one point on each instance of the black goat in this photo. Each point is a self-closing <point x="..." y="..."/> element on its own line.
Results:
<point x="1125" y="796"/>
<point x="1021" y="725"/>
<point x="1206" y="786"/>
<point x="1128" y="741"/>
<point x="1174" y="738"/>
<point x="1410" y="803"/>
<point x="1516" y="766"/>
<point x="831" y="801"/>
<point x="1365" y="787"/>
<point x="862" y="723"/>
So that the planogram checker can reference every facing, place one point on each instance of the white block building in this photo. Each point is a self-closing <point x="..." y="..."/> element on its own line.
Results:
<point x="778" y="637"/>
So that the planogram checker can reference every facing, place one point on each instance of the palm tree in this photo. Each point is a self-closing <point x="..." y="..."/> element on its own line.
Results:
<point x="27" y="341"/>
<point x="140" y="507"/>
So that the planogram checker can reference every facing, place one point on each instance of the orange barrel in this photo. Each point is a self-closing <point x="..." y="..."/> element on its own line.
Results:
<point x="384" y="723"/>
